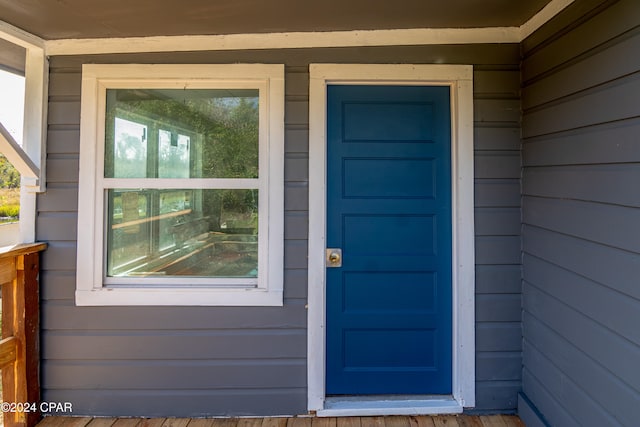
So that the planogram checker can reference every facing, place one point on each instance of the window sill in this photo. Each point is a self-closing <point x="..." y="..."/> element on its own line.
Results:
<point x="179" y="297"/>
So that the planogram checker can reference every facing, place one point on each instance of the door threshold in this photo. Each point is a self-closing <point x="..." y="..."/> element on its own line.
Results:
<point x="346" y="406"/>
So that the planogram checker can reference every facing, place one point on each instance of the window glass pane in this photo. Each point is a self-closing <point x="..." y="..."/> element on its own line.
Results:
<point x="192" y="133"/>
<point x="129" y="208"/>
<point x="130" y="149"/>
<point x="198" y="233"/>
<point x="172" y="204"/>
<point x="173" y="155"/>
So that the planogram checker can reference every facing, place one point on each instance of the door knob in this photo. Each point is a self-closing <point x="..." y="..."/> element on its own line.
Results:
<point x="334" y="257"/>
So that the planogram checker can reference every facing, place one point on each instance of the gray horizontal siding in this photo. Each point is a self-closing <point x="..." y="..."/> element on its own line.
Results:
<point x="612" y="310"/>
<point x="547" y="53"/>
<point x="609" y="266"/>
<point x="195" y="361"/>
<point x="559" y="216"/>
<point x="497" y="193"/>
<point x="591" y="338"/>
<point x="581" y="210"/>
<point x="175" y="375"/>
<point x="577" y="147"/>
<point x="497" y="221"/>
<point x="615" y="54"/>
<point x="152" y="345"/>
<point x="61" y="315"/>
<point x="159" y="403"/>
<point x="608" y="102"/>
<point x="497" y="229"/>
<point x="606" y="183"/>
<point x="498" y="337"/>
<point x="159" y="356"/>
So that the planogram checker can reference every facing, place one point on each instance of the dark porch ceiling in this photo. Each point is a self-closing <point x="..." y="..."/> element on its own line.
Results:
<point x="61" y="19"/>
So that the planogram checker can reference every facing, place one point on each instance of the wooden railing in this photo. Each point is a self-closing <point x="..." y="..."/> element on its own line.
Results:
<point x="20" y="347"/>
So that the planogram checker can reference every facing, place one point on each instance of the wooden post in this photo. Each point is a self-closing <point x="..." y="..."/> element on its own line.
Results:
<point x="32" y="334"/>
<point x="19" y="347"/>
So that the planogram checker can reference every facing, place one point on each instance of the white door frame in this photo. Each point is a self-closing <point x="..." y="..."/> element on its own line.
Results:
<point x="460" y="79"/>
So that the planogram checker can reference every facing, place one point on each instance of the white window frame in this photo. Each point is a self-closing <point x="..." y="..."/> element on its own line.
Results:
<point x="92" y="286"/>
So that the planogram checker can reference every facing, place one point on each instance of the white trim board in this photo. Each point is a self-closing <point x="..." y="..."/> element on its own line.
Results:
<point x="296" y="40"/>
<point x="459" y="78"/>
<point x="20" y="37"/>
<point x="34" y="134"/>
<point x="14" y="153"/>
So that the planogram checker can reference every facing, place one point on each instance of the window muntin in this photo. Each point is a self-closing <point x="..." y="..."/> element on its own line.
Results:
<point x="187" y="186"/>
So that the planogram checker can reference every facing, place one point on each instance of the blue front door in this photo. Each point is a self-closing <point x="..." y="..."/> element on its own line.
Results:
<point x="389" y="211"/>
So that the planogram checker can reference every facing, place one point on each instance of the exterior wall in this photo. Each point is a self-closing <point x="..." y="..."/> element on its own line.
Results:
<point x="12" y="57"/>
<point x="190" y="361"/>
<point x="581" y="216"/>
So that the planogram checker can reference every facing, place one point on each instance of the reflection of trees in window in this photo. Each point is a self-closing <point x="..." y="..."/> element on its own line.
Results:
<point x="173" y="154"/>
<point x="231" y="150"/>
<point x="130" y="149"/>
<point x="229" y="127"/>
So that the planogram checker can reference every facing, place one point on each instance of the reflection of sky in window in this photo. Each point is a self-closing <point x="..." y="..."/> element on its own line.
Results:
<point x="12" y="103"/>
<point x="131" y="142"/>
<point x="174" y="155"/>
<point x="130" y="149"/>
<point x="165" y="138"/>
<point x="183" y="142"/>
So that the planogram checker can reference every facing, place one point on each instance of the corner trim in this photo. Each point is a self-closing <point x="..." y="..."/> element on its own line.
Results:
<point x="529" y="413"/>
<point x="545" y="15"/>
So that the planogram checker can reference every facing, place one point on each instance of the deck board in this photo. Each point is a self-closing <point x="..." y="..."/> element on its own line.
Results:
<point x="148" y="422"/>
<point x="176" y="422"/>
<point x="201" y="422"/>
<point x="103" y="422"/>
<point x="299" y="422"/>
<point x="417" y="421"/>
<point x="324" y="422"/>
<point x="387" y="421"/>
<point x="392" y="421"/>
<point x="126" y="422"/>
<point x="469" y="421"/>
<point x="349" y="422"/>
<point x="446" y="421"/>
<point x="376" y="422"/>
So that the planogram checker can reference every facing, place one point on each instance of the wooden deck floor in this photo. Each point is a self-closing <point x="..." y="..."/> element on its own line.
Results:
<point x="395" y="421"/>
